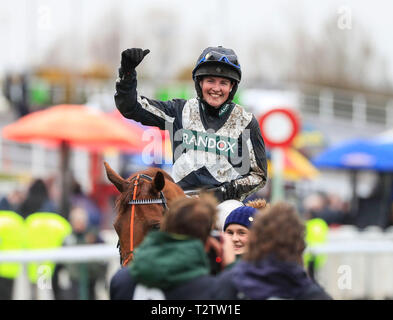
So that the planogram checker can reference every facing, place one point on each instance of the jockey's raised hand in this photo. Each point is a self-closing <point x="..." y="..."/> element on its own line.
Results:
<point x="131" y="58"/>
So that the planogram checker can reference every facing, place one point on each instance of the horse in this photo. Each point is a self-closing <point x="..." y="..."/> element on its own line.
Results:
<point x="144" y="198"/>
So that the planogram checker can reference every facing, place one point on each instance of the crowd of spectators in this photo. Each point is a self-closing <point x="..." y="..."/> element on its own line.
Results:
<point x="253" y="238"/>
<point x="266" y="263"/>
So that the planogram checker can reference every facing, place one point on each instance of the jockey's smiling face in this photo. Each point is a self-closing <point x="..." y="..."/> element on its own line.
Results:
<point x="215" y="90"/>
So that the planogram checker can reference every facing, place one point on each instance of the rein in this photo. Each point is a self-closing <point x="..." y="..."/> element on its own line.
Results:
<point x="135" y="202"/>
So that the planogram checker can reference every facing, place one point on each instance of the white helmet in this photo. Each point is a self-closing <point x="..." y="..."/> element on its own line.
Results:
<point x="224" y="209"/>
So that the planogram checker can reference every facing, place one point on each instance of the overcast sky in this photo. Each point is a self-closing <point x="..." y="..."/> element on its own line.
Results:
<point x="29" y="27"/>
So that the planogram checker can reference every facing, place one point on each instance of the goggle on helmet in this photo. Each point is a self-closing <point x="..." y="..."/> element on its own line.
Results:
<point x="218" y="61"/>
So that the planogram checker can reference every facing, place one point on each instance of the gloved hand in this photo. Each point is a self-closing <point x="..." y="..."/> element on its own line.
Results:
<point x="225" y="192"/>
<point x="131" y="58"/>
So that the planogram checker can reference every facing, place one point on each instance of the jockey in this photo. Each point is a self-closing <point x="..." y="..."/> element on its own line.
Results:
<point x="216" y="143"/>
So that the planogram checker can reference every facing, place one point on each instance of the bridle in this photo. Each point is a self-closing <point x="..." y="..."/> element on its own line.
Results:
<point x="134" y="202"/>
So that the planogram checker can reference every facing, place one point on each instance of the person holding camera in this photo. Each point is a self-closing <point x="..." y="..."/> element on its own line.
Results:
<point x="174" y="263"/>
<point x="216" y="143"/>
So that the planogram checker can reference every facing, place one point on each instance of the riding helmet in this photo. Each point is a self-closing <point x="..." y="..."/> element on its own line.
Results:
<point x="219" y="62"/>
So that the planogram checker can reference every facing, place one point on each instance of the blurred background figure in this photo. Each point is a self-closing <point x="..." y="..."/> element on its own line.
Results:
<point x="15" y="89"/>
<point x="12" y="233"/>
<point x="37" y="199"/>
<point x="80" y="200"/>
<point x="376" y="208"/>
<point x="329" y="207"/>
<point x="43" y="230"/>
<point x="339" y="210"/>
<point x="82" y="277"/>
<point x="313" y="205"/>
<point x="12" y="200"/>
<point x="272" y="266"/>
<point x="11" y="237"/>
<point x="316" y="234"/>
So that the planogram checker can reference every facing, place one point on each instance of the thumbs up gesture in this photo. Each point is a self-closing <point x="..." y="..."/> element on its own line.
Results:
<point x="131" y="58"/>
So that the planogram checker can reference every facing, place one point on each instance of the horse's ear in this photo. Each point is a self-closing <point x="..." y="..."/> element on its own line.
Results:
<point x="159" y="181"/>
<point x="113" y="177"/>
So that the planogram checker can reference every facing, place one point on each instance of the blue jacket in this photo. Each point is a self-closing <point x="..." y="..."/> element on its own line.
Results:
<point x="269" y="279"/>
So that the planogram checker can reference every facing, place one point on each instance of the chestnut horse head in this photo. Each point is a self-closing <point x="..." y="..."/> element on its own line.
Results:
<point x="143" y="200"/>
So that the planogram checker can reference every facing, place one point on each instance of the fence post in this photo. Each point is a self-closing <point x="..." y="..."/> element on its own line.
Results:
<point x="359" y="110"/>
<point x="326" y="98"/>
<point x="389" y="114"/>
<point x="38" y="160"/>
<point x="22" y="287"/>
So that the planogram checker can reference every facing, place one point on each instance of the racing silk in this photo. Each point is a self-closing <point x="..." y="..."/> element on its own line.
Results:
<point x="210" y="146"/>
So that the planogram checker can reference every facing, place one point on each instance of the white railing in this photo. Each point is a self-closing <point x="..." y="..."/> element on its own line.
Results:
<point x="71" y="254"/>
<point x="23" y="290"/>
<point x="358" y="264"/>
<point x="359" y="246"/>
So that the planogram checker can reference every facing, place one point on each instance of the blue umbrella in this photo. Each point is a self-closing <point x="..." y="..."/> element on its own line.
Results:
<point x="357" y="154"/>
